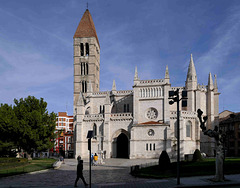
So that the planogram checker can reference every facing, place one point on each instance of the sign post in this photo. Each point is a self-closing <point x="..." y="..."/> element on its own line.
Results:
<point x="89" y="137"/>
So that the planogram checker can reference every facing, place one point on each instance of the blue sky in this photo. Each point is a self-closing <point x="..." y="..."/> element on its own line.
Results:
<point x="36" y="45"/>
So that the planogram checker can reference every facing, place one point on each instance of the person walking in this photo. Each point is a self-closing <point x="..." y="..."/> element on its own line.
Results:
<point x="80" y="172"/>
<point x="95" y="158"/>
<point x="92" y="159"/>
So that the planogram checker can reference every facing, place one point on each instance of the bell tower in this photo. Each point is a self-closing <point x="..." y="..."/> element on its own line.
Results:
<point x="86" y="57"/>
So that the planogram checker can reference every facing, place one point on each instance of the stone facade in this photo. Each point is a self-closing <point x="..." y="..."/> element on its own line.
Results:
<point x="138" y="123"/>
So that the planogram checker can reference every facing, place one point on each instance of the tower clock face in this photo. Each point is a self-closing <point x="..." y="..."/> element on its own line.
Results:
<point x="151" y="113"/>
<point x="151" y="132"/>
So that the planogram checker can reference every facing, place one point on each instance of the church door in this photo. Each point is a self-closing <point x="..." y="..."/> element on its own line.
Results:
<point x="122" y="146"/>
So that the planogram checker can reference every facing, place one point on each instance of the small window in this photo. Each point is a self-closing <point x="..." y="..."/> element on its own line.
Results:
<point x="188" y="129"/>
<point x="87" y="49"/>
<point x="125" y="108"/>
<point x="82" y="49"/>
<point x="154" y="147"/>
<point x="150" y="147"/>
<point x="87" y="68"/>
<point x="95" y="131"/>
<point x="84" y="86"/>
<point x="147" y="147"/>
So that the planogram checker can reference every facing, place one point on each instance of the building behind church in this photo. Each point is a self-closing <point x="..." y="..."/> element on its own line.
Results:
<point x="137" y="123"/>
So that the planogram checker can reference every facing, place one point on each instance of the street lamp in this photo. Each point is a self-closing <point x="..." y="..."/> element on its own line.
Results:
<point x="89" y="137"/>
<point x="174" y="97"/>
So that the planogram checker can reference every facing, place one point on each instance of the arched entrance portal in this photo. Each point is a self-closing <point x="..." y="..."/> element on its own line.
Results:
<point x="122" y="146"/>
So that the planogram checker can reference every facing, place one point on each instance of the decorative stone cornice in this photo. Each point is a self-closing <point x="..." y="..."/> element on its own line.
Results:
<point x="121" y="117"/>
<point x="183" y="114"/>
<point x="93" y="117"/>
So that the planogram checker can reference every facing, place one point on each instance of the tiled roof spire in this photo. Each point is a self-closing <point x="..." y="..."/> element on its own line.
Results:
<point x="86" y="27"/>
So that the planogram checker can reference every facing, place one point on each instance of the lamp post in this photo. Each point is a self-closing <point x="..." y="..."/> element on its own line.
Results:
<point x="174" y="97"/>
<point x="89" y="137"/>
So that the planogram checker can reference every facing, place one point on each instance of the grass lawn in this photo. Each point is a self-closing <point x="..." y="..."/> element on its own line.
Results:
<point x="206" y="167"/>
<point x="13" y="166"/>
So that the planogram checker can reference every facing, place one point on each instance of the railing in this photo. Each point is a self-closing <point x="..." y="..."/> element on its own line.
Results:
<point x="124" y="92"/>
<point x="152" y="81"/>
<point x="100" y="93"/>
<point x="121" y="116"/>
<point x="183" y="114"/>
<point x="175" y="88"/>
<point x="93" y="117"/>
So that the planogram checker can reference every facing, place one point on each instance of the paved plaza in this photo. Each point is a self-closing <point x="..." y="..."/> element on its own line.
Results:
<point x="114" y="173"/>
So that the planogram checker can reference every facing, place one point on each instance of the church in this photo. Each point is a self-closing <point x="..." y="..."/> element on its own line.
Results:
<point x="137" y="123"/>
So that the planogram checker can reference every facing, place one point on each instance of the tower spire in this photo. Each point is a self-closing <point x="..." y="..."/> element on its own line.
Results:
<point x="136" y="74"/>
<point x="166" y="73"/>
<point x="191" y="81"/>
<point x="191" y="75"/>
<point x="86" y="27"/>
<point x="210" y="81"/>
<point x="114" y="86"/>
<point x="167" y="78"/>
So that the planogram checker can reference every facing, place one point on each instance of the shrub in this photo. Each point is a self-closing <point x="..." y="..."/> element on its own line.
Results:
<point x="197" y="156"/>
<point x="164" y="161"/>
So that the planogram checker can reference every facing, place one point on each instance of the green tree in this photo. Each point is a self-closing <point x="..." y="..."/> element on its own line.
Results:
<point x="8" y="130"/>
<point x="27" y="125"/>
<point x="36" y="125"/>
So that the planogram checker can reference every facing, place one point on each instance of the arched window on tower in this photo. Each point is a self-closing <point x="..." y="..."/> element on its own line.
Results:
<point x="84" y="86"/>
<point x="81" y="68"/>
<point x="87" y="49"/>
<point x="189" y="129"/>
<point x="82" y="49"/>
<point x="86" y="68"/>
<point x="94" y="131"/>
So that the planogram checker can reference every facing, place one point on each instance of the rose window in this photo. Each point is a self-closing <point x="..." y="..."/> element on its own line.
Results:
<point x="152" y="113"/>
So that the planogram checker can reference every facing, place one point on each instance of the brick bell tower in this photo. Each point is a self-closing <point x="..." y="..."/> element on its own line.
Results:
<point x="86" y="58"/>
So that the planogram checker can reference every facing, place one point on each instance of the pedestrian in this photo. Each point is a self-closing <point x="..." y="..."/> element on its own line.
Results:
<point x="61" y="159"/>
<point x="95" y="158"/>
<point x="92" y="159"/>
<point x="80" y="172"/>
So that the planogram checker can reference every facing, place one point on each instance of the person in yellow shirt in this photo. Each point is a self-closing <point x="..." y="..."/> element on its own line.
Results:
<point x="95" y="158"/>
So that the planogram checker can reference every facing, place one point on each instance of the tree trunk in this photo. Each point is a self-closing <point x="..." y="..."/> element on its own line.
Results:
<point x="219" y="164"/>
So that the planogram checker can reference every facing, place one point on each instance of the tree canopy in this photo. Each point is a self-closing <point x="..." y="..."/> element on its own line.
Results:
<point x="27" y="125"/>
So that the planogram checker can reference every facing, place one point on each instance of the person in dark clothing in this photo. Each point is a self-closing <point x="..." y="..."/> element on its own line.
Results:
<point x="80" y="172"/>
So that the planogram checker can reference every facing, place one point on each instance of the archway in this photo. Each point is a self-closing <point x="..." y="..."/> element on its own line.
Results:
<point x="122" y="146"/>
